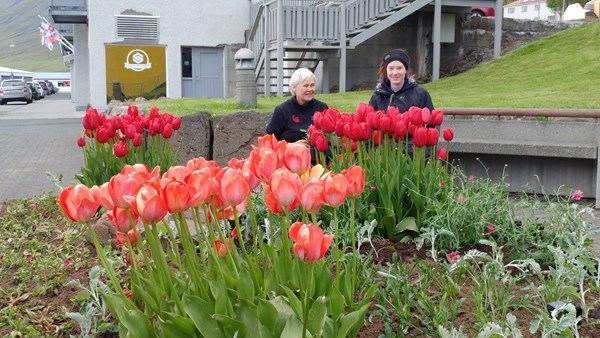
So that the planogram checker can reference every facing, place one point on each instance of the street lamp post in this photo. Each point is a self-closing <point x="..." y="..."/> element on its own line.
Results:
<point x="10" y="61"/>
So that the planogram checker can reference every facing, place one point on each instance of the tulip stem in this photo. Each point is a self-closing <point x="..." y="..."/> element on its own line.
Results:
<point x="104" y="259"/>
<point x="307" y="293"/>
<point x="353" y="239"/>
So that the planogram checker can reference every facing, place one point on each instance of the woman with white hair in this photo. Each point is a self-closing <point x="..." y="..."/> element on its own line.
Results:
<point x="292" y="118"/>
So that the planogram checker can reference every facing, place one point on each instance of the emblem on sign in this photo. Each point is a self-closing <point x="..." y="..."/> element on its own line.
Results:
<point x="137" y="60"/>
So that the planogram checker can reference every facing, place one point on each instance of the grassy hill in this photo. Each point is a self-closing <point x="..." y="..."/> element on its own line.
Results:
<point x="19" y="22"/>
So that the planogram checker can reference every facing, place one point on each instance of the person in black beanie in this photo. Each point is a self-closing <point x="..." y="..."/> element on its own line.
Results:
<point x="395" y="88"/>
<point x="292" y="118"/>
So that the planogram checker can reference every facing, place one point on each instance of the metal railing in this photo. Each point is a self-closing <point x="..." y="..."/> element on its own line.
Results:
<point x="524" y="112"/>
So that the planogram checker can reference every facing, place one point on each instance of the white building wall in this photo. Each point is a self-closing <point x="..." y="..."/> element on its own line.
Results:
<point x="80" y="72"/>
<point x="543" y="13"/>
<point x="182" y="23"/>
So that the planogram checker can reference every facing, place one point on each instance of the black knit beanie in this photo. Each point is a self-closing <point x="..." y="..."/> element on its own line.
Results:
<point x="396" y="55"/>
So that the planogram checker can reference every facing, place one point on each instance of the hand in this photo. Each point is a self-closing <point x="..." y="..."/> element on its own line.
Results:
<point x="303" y="142"/>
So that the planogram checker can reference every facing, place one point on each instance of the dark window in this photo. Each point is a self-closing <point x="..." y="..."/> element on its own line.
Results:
<point x="186" y="62"/>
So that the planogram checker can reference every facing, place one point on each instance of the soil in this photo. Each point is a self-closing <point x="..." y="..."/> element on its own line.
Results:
<point x="61" y="300"/>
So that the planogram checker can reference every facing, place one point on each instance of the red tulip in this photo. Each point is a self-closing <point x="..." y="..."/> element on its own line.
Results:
<point x="137" y="140"/>
<point x="442" y="154"/>
<point x="420" y="137"/>
<point x="311" y="244"/>
<point x="433" y="136"/>
<point x="297" y="158"/>
<point x="81" y="142"/>
<point x="176" y="123"/>
<point x="416" y="115"/>
<point x="121" y="239"/>
<point x="437" y="117"/>
<point x="448" y="134"/>
<point x="233" y="187"/>
<point x="425" y="115"/>
<point x="149" y="202"/>
<point x="321" y="143"/>
<point x="102" y="135"/>
<point x="335" y="190"/>
<point x="132" y="110"/>
<point x="90" y="119"/>
<point x="400" y="129"/>
<point x="356" y="180"/>
<point x="120" y="149"/>
<point x="327" y="123"/>
<point x="377" y="137"/>
<point x="167" y="130"/>
<point x="78" y="203"/>
<point x="311" y="197"/>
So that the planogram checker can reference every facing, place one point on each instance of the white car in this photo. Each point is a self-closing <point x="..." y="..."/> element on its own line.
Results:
<point x="15" y="90"/>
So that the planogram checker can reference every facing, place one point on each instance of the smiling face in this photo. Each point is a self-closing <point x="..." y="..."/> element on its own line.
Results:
<point x="305" y="91"/>
<point x="396" y="72"/>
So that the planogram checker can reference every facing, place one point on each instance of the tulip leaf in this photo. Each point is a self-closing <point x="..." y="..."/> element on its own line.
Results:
<point x="336" y="302"/>
<point x="407" y="224"/>
<point x="293" y="300"/>
<point x="245" y="285"/>
<point x="271" y="322"/>
<point x="174" y="325"/>
<point x="232" y="327"/>
<point x="222" y="301"/>
<point x="352" y="322"/>
<point x="136" y="323"/>
<point x="323" y="280"/>
<point x="316" y="316"/>
<point x="368" y="297"/>
<point x="293" y="328"/>
<point x="247" y="312"/>
<point x="200" y="312"/>
<point x="282" y="306"/>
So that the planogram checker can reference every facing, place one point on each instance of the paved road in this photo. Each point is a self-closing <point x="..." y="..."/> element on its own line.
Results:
<point x="35" y="139"/>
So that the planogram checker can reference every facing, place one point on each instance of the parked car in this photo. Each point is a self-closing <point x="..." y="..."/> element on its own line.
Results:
<point x="35" y="94"/>
<point x="482" y="11"/>
<point x="51" y="87"/>
<point x="45" y="88"/>
<point x="15" y="90"/>
<point x="40" y="89"/>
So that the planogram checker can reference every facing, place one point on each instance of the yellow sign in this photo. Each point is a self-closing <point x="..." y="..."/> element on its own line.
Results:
<point x="133" y="71"/>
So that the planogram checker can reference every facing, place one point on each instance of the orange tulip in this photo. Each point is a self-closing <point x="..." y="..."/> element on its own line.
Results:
<point x="103" y="196"/>
<point x="178" y="196"/>
<point x="265" y="161"/>
<point x="356" y="180"/>
<point x="177" y="172"/>
<point x="222" y="249"/>
<point x="78" y="203"/>
<point x="233" y="188"/>
<point x="122" y="189"/>
<point x="275" y="207"/>
<point x="121" y="238"/>
<point x="313" y="174"/>
<point x="335" y="190"/>
<point x="285" y="186"/>
<point x="120" y="219"/>
<point x="296" y="158"/>
<point x="204" y="185"/>
<point x="311" y="197"/>
<point x="149" y="202"/>
<point x="270" y="141"/>
<point x="311" y="244"/>
<point x="141" y="172"/>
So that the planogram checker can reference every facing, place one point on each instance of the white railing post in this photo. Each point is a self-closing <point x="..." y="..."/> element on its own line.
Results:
<point x="342" y="84"/>
<point x="267" y="56"/>
<point x="437" y="27"/>
<point x="280" y="51"/>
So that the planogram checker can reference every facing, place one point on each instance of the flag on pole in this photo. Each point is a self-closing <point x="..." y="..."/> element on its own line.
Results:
<point x="49" y="34"/>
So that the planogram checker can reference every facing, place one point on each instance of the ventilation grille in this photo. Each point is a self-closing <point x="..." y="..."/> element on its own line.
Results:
<point x="137" y="27"/>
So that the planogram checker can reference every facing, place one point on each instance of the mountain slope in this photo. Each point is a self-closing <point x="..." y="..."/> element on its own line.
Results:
<point x="19" y="22"/>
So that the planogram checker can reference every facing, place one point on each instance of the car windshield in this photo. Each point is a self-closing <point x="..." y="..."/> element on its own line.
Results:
<point x="12" y="84"/>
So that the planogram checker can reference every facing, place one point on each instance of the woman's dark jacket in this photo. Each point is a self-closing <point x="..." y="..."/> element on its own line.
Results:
<point x="410" y="95"/>
<point x="290" y="120"/>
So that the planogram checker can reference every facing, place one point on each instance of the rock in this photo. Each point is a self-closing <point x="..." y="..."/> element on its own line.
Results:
<point x="105" y="231"/>
<point x="194" y="137"/>
<point x="235" y="134"/>
<point x="140" y="99"/>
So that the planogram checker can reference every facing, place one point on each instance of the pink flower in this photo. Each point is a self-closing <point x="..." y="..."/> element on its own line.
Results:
<point x="470" y="179"/>
<point x="577" y="195"/>
<point x="460" y="198"/>
<point x="67" y="262"/>
<point x="453" y="256"/>
<point x="491" y="228"/>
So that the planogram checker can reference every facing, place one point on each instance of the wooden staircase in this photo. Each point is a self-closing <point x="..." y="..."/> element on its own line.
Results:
<point x="289" y="34"/>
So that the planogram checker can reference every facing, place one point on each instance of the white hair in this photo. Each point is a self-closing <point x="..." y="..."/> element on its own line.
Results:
<point x="300" y="75"/>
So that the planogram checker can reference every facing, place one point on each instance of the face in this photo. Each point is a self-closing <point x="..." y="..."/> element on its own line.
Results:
<point x="396" y="73"/>
<point x="305" y="91"/>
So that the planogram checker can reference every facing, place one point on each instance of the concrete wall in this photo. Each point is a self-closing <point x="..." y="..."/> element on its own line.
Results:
<point x="181" y="23"/>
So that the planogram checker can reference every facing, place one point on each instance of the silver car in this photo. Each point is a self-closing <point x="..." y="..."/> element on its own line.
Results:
<point x="15" y="90"/>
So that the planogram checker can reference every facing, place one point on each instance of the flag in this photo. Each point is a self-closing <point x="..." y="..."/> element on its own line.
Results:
<point x="49" y="34"/>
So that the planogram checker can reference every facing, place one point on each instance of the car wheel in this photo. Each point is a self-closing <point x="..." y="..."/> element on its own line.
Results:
<point x="2" y="102"/>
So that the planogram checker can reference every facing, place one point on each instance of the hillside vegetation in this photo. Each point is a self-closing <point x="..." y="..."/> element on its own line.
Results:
<point x="19" y="22"/>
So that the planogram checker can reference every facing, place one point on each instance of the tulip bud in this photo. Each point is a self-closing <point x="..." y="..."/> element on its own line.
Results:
<point x="176" y="123"/>
<point x="81" y="142"/>
<point x="448" y="134"/>
<point x="120" y="149"/>
<point x="433" y="136"/>
<point x="437" y="117"/>
<point x="321" y="143"/>
<point x="442" y="154"/>
<point x="420" y="137"/>
<point x="167" y="130"/>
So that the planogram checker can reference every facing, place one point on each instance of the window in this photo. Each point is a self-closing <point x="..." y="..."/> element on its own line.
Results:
<point x="186" y="62"/>
<point x="536" y="7"/>
<point x="523" y="9"/>
<point x="511" y="10"/>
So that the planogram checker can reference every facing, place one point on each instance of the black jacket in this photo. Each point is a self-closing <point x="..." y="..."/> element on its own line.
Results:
<point x="410" y="95"/>
<point x="290" y="120"/>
